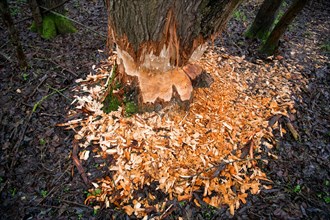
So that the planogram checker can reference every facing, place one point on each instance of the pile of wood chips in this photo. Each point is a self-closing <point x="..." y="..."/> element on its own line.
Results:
<point x="213" y="149"/>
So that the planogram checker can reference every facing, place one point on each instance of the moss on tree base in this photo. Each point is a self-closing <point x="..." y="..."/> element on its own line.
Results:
<point x="268" y="49"/>
<point x="260" y="35"/>
<point x="52" y="25"/>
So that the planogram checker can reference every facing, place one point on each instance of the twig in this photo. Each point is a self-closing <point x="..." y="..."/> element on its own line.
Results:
<point x="293" y="131"/>
<point x="43" y="79"/>
<point x="44" y="98"/>
<point x="167" y="212"/>
<point x="6" y="57"/>
<point x="59" y="92"/>
<point x="77" y="163"/>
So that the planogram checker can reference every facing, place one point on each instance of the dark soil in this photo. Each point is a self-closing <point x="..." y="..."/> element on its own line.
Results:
<point x="37" y="177"/>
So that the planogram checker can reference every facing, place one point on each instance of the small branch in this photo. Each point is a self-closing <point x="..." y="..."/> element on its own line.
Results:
<point x="59" y="92"/>
<point x="43" y="79"/>
<point x="6" y="57"/>
<point x="44" y="98"/>
<point x="167" y="212"/>
<point x="77" y="163"/>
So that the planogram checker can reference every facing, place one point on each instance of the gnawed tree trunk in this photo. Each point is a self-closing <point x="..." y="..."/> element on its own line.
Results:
<point x="159" y="41"/>
<point x="49" y="19"/>
<point x="272" y="41"/>
<point x="264" y="21"/>
<point x="13" y="34"/>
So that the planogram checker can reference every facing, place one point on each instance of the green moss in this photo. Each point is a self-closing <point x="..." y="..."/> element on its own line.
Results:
<point x="111" y="103"/>
<point x="33" y="27"/>
<point x="326" y="47"/>
<point x="261" y="34"/>
<point x="239" y="16"/>
<point x="63" y="25"/>
<point x="53" y="24"/>
<point x="48" y="27"/>
<point x="130" y="108"/>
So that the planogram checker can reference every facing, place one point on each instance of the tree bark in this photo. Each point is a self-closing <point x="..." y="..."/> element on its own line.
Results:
<point x="158" y="42"/>
<point x="272" y="41"/>
<point x="264" y="20"/>
<point x="13" y="34"/>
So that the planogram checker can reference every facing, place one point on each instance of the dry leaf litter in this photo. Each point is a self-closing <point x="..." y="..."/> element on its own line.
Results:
<point x="213" y="149"/>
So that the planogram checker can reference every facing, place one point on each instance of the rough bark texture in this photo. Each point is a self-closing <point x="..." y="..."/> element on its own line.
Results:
<point x="264" y="20"/>
<point x="271" y="43"/>
<point x="156" y="39"/>
<point x="13" y="34"/>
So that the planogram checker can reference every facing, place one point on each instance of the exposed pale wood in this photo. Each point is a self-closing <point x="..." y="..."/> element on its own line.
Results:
<point x="157" y="39"/>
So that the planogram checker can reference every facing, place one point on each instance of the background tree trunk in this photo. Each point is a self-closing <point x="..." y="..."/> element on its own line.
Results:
<point x="13" y="34"/>
<point x="157" y="42"/>
<point x="272" y="41"/>
<point x="264" y="20"/>
<point x="37" y="17"/>
<point x="49" y="19"/>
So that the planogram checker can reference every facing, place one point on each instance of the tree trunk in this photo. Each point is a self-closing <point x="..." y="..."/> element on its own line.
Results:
<point x="13" y="34"/>
<point x="49" y="19"/>
<point x="36" y="14"/>
<point x="272" y="41"/>
<point x="158" y="42"/>
<point x="264" y="20"/>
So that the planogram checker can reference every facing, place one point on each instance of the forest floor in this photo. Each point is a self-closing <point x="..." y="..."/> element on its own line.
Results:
<point x="38" y="179"/>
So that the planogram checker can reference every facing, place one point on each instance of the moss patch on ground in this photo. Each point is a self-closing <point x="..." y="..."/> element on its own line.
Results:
<point x="53" y="25"/>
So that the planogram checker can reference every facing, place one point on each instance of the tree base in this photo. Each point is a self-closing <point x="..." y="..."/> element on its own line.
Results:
<point x="52" y="25"/>
<point x="268" y="49"/>
<point x="160" y="90"/>
<point x="260" y="35"/>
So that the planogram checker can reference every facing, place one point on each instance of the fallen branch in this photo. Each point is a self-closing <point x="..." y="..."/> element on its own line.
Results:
<point x="77" y="163"/>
